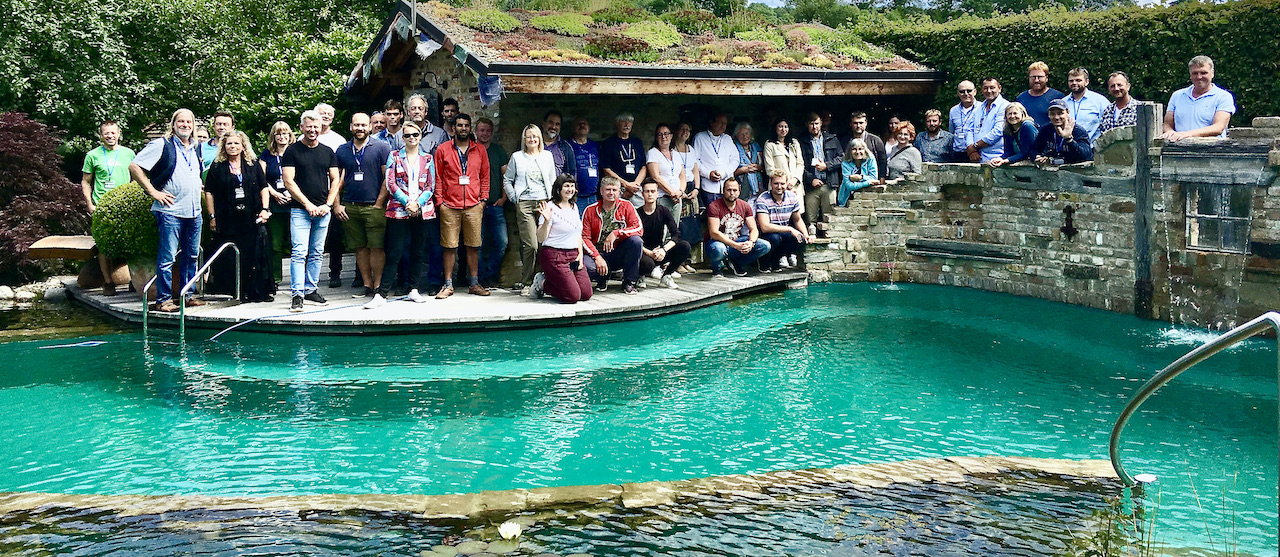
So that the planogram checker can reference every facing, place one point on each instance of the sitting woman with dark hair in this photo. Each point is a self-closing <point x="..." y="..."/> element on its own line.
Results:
<point x="560" y="235"/>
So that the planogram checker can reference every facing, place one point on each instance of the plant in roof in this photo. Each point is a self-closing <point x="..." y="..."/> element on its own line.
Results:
<point x="797" y="38"/>
<point x="693" y="22"/>
<point x="619" y="47"/>
<point x="488" y="19"/>
<point x="766" y="34"/>
<point x="738" y="21"/>
<point x="615" y="15"/>
<point x="568" y="24"/>
<point x="658" y="34"/>
<point x="742" y="60"/>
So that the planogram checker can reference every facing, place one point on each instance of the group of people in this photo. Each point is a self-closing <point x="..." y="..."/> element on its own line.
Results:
<point x="412" y="195"/>
<point x="1048" y="127"/>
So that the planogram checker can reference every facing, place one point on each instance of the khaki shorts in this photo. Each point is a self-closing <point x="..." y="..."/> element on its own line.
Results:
<point x="464" y="221"/>
<point x="365" y="227"/>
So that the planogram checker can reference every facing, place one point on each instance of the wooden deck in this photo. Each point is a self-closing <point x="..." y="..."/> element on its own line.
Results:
<point x="502" y="310"/>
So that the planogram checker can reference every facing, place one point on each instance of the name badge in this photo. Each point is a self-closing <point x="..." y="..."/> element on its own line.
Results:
<point x="464" y="180"/>
<point x="280" y="185"/>
<point x="591" y="173"/>
<point x="815" y="162"/>
<point x="631" y="169"/>
<point x="422" y="179"/>
<point x="239" y="193"/>
<point x="358" y="177"/>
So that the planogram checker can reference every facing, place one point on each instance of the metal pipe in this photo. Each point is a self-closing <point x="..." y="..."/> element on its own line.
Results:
<point x="182" y="294"/>
<point x="1259" y="324"/>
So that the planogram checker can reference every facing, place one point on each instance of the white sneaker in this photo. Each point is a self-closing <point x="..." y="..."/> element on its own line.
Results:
<point x="669" y="282"/>
<point x="539" y="283"/>
<point x="813" y="231"/>
<point x="640" y="283"/>
<point x="675" y="275"/>
<point x="415" y="296"/>
<point x="656" y="273"/>
<point x="377" y="302"/>
<point x="794" y="261"/>
<point x="784" y="262"/>
<point x="525" y="291"/>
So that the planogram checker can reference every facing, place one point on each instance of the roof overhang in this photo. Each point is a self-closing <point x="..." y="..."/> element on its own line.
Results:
<point x="401" y="33"/>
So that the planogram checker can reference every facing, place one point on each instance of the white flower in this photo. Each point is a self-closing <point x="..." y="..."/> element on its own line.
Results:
<point x="509" y="530"/>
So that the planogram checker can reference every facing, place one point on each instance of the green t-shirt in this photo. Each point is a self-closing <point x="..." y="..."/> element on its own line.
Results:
<point x="109" y="168"/>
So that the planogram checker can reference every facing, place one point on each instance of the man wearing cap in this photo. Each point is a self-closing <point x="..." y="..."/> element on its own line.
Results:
<point x="1062" y="140"/>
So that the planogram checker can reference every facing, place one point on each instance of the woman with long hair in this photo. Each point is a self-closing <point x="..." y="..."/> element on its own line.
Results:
<point x="278" y="227"/>
<point x="411" y="183"/>
<point x="528" y="180"/>
<point x="1019" y="133"/>
<point x="666" y="168"/>
<point x="236" y="198"/>
<point x="858" y="170"/>
<point x="782" y="154"/>
<point x="560" y="235"/>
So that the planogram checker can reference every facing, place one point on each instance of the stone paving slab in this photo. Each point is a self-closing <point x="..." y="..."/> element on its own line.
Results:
<point x="504" y="309"/>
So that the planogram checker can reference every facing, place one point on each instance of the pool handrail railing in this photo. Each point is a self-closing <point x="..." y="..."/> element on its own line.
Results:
<point x="1269" y="320"/>
<point x="182" y="294"/>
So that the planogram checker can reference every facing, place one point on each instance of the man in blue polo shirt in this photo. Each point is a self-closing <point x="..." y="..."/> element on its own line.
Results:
<point x="361" y="165"/>
<point x="1086" y="106"/>
<point x="1201" y="110"/>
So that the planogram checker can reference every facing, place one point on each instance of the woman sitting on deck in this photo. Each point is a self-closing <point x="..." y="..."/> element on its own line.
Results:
<point x="560" y="234"/>
<point x="858" y="170"/>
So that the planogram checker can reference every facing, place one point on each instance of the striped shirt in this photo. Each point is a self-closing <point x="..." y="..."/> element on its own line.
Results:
<point x="779" y="211"/>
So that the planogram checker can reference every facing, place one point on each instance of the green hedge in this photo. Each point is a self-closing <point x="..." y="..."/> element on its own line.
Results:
<point x="1152" y="45"/>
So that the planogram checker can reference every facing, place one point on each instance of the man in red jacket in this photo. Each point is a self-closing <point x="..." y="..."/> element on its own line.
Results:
<point x="462" y="186"/>
<point x="611" y="235"/>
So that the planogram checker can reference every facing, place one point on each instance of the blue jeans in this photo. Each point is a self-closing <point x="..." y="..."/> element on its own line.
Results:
<point x="493" y="230"/>
<point x="584" y="201"/>
<point x="176" y="234"/>
<point x="781" y="244"/>
<point x="308" y="234"/>
<point x="705" y="198"/>
<point x="718" y="252"/>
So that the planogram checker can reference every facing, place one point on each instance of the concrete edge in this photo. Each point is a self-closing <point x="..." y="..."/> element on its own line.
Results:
<point x="628" y="496"/>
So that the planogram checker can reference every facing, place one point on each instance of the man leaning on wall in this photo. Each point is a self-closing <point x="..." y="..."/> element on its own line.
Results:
<point x="1201" y="110"/>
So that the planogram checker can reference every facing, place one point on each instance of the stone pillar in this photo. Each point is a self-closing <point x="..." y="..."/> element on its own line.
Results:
<point x="1148" y="128"/>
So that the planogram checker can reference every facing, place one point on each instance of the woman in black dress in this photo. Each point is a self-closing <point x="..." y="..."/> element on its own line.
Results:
<point x="236" y="196"/>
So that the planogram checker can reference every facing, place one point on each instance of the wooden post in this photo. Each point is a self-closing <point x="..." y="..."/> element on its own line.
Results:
<point x="1148" y="128"/>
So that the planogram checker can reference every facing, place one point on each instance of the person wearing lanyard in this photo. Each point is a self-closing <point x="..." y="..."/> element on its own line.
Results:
<point x="364" y="224"/>
<point x="1063" y="141"/>
<point x="989" y="134"/>
<point x="821" y="154"/>
<point x="236" y="197"/>
<point x="278" y="227"/>
<point x="105" y="168"/>
<point x="749" y="163"/>
<point x="410" y="185"/>
<point x="666" y="169"/>
<point x="717" y="157"/>
<point x="623" y="157"/>
<point x="462" y="187"/>
<point x="527" y="181"/>
<point x="175" y="164"/>
<point x="1086" y="106"/>
<point x="586" y="153"/>
<point x="962" y="120"/>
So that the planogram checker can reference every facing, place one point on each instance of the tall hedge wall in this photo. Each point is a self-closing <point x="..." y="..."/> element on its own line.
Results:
<point x="1152" y="45"/>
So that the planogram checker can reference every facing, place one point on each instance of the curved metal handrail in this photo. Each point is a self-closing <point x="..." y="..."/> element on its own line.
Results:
<point x="182" y="294"/>
<point x="1261" y="323"/>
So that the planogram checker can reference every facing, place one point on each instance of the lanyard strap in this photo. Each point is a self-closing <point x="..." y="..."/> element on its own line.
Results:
<point x="462" y="156"/>
<point x="628" y="152"/>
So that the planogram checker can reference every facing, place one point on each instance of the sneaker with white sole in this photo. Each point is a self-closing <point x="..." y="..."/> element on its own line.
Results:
<point x="416" y="297"/>
<point x="640" y="283"/>
<point x="669" y="282"/>
<point x="675" y="275"/>
<point x="377" y="302"/>
<point x="539" y="283"/>
<point x="296" y="305"/>
<point x="784" y="262"/>
<point x="656" y="273"/>
<point x="793" y="260"/>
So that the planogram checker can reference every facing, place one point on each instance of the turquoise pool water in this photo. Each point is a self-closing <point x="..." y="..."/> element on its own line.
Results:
<point x="810" y="378"/>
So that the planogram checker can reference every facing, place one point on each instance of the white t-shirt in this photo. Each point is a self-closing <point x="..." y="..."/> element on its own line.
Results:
<point x="566" y="228"/>
<point x="668" y="170"/>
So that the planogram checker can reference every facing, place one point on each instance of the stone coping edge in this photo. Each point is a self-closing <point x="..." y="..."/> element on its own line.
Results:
<point x="629" y="496"/>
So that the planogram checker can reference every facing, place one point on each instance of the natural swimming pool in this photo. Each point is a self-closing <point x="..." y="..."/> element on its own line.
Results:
<point x="829" y="375"/>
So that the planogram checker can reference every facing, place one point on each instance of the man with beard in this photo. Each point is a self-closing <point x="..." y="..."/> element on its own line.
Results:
<point x="935" y="143"/>
<point x="362" y="167"/>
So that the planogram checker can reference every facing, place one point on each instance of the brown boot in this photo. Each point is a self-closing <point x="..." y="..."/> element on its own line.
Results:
<point x="478" y="290"/>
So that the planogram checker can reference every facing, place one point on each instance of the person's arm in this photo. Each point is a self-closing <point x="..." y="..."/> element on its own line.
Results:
<point x="164" y="198"/>
<point x="544" y="222"/>
<point x="208" y="206"/>
<point x="335" y="188"/>
<point x="673" y="229"/>
<point x="509" y="177"/>
<point x="288" y="173"/>
<point x="86" y="186"/>
<point x="797" y="228"/>
<point x="809" y="175"/>
<point x="713" y="225"/>
<point x="882" y="159"/>
<point x="1221" y="119"/>
<point x="754" y="234"/>
<point x="1078" y="148"/>
<point x="766" y="226"/>
<point x="484" y="174"/>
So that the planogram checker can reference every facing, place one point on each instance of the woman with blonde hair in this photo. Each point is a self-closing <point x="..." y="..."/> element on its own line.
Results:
<point x="1019" y="133"/>
<point x="236" y="198"/>
<point x="278" y="226"/>
<point x="530" y="173"/>
<point x="857" y="170"/>
<point x="411" y="186"/>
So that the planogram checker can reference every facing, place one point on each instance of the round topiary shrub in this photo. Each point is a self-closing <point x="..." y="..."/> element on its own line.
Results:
<point x="123" y="226"/>
<point x="568" y="24"/>
<point x="657" y="34"/>
<point x="488" y="19"/>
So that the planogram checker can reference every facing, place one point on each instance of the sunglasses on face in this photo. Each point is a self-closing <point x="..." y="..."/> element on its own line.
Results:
<point x="413" y="135"/>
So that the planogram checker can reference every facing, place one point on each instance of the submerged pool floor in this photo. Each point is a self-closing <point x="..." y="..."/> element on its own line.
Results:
<point x="828" y="375"/>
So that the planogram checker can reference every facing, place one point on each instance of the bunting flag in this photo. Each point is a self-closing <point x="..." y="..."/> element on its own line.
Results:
<point x="490" y="89"/>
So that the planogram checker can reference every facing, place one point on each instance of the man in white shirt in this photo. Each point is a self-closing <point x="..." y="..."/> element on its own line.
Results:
<point x="717" y="157"/>
<point x="328" y="137"/>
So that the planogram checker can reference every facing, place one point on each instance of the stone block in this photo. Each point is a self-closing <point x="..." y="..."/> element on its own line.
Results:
<point x="1266" y="122"/>
<point x="1082" y="272"/>
<point x="1122" y="207"/>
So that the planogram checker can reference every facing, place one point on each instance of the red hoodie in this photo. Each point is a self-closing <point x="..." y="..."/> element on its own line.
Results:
<point x="628" y="224"/>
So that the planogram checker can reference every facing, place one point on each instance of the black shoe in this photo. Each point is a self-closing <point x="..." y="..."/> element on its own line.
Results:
<point x="335" y="282"/>
<point x="358" y="282"/>
<point x="296" y="305"/>
<point x="369" y="291"/>
<point x="629" y="288"/>
<point x="433" y="289"/>
<point x="602" y="285"/>
<point x="316" y="299"/>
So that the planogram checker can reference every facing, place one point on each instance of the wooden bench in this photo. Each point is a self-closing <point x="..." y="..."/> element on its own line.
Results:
<point x="79" y="248"/>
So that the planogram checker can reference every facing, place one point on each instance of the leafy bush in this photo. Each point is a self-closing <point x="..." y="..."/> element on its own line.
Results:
<point x="36" y="199"/>
<point x="569" y="24"/>
<point x="767" y="34"/>
<point x="620" y="47"/>
<point x="693" y="22"/>
<point x="488" y="19"/>
<point x="797" y="38"/>
<point x="616" y="15"/>
<point x="739" y="21"/>
<point x="123" y="226"/>
<point x="1152" y="44"/>
<point x="658" y="34"/>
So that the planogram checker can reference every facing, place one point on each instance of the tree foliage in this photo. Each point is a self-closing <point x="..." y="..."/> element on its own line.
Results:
<point x="36" y="199"/>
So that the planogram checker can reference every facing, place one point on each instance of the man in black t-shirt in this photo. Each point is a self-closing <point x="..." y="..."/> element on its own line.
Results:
<point x="663" y="251"/>
<point x="310" y="172"/>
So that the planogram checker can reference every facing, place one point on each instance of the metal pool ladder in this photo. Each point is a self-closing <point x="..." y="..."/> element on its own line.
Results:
<point x="1259" y="324"/>
<point x="182" y="294"/>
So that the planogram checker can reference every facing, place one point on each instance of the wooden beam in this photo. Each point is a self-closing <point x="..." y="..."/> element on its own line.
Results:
<point x="737" y="87"/>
